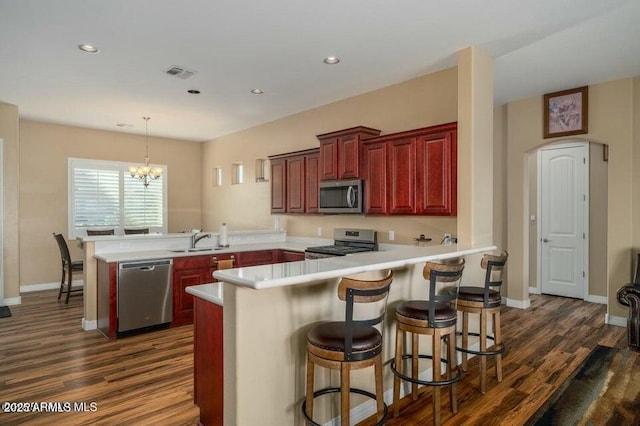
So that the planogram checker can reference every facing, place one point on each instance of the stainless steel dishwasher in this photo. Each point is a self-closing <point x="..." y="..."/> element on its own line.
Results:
<point x="145" y="297"/>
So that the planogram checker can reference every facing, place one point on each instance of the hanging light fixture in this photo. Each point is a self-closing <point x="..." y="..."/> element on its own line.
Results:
<point x="146" y="173"/>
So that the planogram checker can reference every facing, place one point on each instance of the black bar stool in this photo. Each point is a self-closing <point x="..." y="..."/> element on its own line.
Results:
<point x="434" y="317"/>
<point x="484" y="301"/>
<point x="351" y="344"/>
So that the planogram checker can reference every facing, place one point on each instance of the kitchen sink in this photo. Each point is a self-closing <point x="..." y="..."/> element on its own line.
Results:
<point x="192" y="250"/>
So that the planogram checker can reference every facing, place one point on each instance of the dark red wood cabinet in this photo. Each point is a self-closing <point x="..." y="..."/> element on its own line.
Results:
<point x="340" y="152"/>
<point x="376" y="176"/>
<point x="412" y="172"/>
<point x="290" y="256"/>
<point x="278" y="185"/>
<point x="294" y="182"/>
<point x="187" y="271"/>
<point x="208" y="361"/>
<point x="437" y="171"/>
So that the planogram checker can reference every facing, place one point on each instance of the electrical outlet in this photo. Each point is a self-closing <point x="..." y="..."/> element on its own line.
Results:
<point x="447" y="236"/>
<point x="392" y="235"/>
<point x="319" y="231"/>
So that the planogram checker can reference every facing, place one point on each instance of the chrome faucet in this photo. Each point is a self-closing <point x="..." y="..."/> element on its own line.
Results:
<point x="195" y="238"/>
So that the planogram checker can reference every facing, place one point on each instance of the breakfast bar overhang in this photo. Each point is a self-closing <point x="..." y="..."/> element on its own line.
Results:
<point x="269" y="309"/>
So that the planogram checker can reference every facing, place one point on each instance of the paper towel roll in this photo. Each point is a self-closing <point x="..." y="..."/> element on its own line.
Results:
<point x="223" y="239"/>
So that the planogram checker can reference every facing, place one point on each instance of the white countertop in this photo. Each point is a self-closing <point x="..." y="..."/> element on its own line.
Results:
<point x="209" y="292"/>
<point x="310" y="270"/>
<point x="129" y="256"/>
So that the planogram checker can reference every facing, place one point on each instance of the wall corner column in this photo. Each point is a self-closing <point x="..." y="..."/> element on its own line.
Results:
<point x="475" y="147"/>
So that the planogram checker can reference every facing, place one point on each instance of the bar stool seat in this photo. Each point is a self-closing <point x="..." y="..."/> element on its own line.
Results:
<point x="485" y="302"/>
<point x="352" y="344"/>
<point x="434" y="317"/>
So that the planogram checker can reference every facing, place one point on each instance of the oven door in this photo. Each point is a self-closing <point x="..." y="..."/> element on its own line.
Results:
<point x="340" y="196"/>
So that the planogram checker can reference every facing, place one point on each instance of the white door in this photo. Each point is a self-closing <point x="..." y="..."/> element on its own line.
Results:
<point x="563" y="213"/>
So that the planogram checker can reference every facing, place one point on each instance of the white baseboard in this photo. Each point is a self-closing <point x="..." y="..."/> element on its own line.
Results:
<point x="534" y="290"/>
<point x="520" y="304"/>
<point x="596" y="299"/>
<point x="619" y="321"/>
<point x="89" y="325"/>
<point x="11" y="301"/>
<point x="47" y="286"/>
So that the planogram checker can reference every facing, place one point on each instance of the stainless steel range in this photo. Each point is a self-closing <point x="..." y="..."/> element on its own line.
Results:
<point x="346" y="241"/>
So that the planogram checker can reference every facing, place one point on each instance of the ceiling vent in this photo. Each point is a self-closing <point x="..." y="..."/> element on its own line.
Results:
<point x="180" y="72"/>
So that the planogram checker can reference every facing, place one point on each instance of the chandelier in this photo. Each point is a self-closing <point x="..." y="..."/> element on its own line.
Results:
<point x="146" y="173"/>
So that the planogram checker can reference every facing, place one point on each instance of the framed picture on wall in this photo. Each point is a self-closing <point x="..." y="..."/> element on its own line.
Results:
<point x="565" y="113"/>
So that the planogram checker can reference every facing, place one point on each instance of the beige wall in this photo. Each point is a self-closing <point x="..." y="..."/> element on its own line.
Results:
<point x="421" y="102"/>
<point x="43" y="195"/>
<point x="10" y="169"/>
<point x="610" y="122"/>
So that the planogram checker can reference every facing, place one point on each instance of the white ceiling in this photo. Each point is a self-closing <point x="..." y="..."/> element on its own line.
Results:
<point x="538" y="46"/>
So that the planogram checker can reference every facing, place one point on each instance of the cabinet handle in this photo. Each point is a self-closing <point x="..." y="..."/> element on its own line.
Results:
<point x="350" y="193"/>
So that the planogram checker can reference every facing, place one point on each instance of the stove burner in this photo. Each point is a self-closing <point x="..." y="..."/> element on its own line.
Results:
<point x="347" y="241"/>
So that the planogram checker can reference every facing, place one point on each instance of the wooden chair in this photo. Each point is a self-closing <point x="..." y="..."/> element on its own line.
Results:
<point x="436" y="318"/>
<point x="352" y="344"/>
<point x="484" y="301"/>
<point x="68" y="268"/>
<point x="136" y="231"/>
<point x="100" y="232"/>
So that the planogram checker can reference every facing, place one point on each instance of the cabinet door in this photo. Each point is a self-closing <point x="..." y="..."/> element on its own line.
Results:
<point x="311" y="183"/>
<point x="278" y="186"/>
<point x="329" y="159"/>
<point x="402" y="182"/>
<point x="348" y="156"/>
<point x="291" y="256"/>
<point x="436" y="191"/>
<point x="376" y="174"/>
<point x="183" y="301"/>
<point x="295" y="184"/>
<point x="254" y="258"/>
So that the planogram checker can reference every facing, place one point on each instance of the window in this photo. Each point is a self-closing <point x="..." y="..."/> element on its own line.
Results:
<point x="102" y="194"/>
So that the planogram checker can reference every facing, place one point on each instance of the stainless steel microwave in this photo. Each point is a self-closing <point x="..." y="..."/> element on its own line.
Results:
<point x="341" y="196"/>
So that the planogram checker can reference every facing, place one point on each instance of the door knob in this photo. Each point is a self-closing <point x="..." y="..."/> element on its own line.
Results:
<point x="546" y="240"/>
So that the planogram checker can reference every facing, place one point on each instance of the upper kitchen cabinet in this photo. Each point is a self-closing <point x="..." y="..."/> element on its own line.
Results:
<point x="437" y="171"/>
<point x="412" y="172"/>
<point x="294" y="182"/>
<point x="340" y="152"/>
<point x="278" y="185"/>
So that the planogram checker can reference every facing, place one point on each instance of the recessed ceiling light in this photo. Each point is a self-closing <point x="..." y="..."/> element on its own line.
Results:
<point x="88" y="48"/>
<point x="257" y="91"/>
<point x="331" y="60"/>
<point x="193" y="92"/>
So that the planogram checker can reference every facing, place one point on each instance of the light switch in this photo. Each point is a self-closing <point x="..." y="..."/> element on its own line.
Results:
<point x="532" y="218"/>
<point x="392" y="235"/>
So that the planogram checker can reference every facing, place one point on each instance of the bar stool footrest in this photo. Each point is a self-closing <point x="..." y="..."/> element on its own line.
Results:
<point x="447" y="382"/>
<point x="326" y="391"/>
<point x="498" y="351"/>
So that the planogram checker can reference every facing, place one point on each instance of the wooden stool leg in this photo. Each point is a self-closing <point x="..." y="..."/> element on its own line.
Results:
<point x="450" y="369"/>
<point x="497" y="333"/>
<point x="465" y="338"/>
<point x="400" y="369"/>
<point x="436" y="375"/>
<point x="345" y="384"/>
<point x="61" y="282"/>
<point x="310" y="386"/>
<point x="483" y="348"/>
<point x="379" y="388"/>
<point x="414" y="365"/>
<point x="70" y="278"/>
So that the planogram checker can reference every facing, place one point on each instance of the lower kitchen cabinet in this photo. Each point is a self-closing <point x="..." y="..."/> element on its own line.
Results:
<point x="290" y="256"/>
<point x="208" y="365"/>
<point x="187" y="271"/>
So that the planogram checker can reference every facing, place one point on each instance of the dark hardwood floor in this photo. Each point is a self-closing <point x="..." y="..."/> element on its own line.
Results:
<point x="46" y="357"/>
<point x="148" y="379"/>
<point x="545" y="344"/>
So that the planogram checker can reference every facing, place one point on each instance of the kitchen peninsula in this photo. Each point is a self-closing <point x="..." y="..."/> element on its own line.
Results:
<point x="269" y="309"/>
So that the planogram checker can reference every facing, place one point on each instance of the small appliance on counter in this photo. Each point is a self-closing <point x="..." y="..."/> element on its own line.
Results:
<point x="346" y="241"/>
